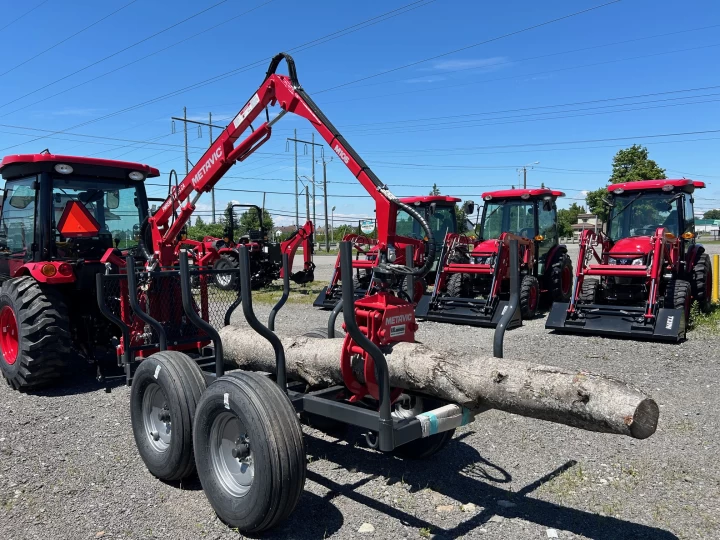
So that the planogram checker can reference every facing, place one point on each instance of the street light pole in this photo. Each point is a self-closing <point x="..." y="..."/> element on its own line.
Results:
<point x="524" y="170"/>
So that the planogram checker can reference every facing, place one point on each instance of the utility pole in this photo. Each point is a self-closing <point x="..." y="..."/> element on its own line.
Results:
<point x="210" y="125"/>
<point x="313" y="144"/>
<point x="325" y="201"/>
<point x="307" y="202"/>
<point x="313" y="177"/>
<point x="524" y="169"/>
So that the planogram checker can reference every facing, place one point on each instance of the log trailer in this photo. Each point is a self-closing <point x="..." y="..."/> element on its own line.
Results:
<point x="439" y="213"/>
<point x="639" y="278"/>
<point x="473" y="284"/>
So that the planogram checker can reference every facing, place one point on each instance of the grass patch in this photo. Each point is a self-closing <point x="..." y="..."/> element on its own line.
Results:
<point x="706" y="322"/>
<point x="299" y="294"/>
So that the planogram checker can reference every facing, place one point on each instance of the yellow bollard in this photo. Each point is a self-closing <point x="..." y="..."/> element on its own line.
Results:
<point x="716" y="278"/>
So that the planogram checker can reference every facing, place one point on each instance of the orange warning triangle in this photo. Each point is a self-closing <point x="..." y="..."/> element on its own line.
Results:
<point x="77" y="221"/>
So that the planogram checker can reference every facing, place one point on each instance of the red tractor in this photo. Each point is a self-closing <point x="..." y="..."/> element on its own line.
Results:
<point x="473" y="286"/>
<point x="60" y="215"/>
<point x="639" y="278"/>
<point x="437" y="210"/>
<point x="265" y="255"/>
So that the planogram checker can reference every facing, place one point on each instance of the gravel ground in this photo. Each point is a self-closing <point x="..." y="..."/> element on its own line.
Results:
<point x="69" y="467"/>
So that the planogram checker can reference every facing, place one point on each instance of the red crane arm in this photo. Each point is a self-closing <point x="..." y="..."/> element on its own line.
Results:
<point x="285" y="91"/>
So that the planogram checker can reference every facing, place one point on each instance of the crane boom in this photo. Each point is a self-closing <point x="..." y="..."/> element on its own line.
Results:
<point x="285" y="91"/>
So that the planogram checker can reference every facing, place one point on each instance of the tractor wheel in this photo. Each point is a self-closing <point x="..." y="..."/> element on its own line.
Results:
<point x="427" y="446"/>
<point x="459" y="286"/>
<point x="589" y="290"/>
<point x="702" y="282"/>
<point x="249" y="451"/>
<point x="561" y="279"/>
<point x="360" y="283"/>
<point x="321" y="333"/>
<point x="420" y="286"/>
<point x="163" y="399"/>
<point x="529" y="297"/>
<point x="678" y="295"/>
<point x="34" y="333"/>
<point x="229" y="281"/>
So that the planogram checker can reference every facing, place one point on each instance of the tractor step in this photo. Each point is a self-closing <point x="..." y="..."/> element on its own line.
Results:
<point x="328" y="301"/>
<point x="470" y="311"/>
<point x="618" y="321"/>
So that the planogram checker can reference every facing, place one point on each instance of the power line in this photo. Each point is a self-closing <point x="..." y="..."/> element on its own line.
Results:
<point x="328" y="37"/>
<point x="68" y="38"/>
<point x="484" y="42"/>
<point x="23" y="15"/>
<point x="117" y="52"/>
<point x="114" y="70"/>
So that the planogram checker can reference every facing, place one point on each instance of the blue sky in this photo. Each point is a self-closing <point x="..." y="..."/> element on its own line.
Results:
<point x="568" y="94"/>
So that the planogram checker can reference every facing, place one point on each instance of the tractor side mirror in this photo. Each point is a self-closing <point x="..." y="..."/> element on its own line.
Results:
<point x="547" y="204"/>
<point x="469" y="208"/>
<point x="112" y="199"/>
<point x="432" y="208"/>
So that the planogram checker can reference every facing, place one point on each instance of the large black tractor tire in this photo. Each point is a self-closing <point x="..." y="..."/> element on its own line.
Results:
<point x="589" y="291"/>
<point x="561" y="279"/>
<point x="321" y="333"/>
<point x="678" y="295"/>
<point x="34" y="334"/>
<point x="420" y="286"/>
<point x="702" y="282"/>
<point x="360" y="283"/>
<point x="529" y="297"/>
<point x="249" y="451"/>
<point x="229" y="281"/>
<point x="163" y="400"/>
<point x="459" y="286"/>
<point x="428" y="446"/>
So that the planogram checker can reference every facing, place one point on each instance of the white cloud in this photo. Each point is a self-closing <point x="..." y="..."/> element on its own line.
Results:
<point x="483" y="64"/>
<point x="77" y="111"/>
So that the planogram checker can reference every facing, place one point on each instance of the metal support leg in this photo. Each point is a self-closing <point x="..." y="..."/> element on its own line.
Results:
<point x="514" y="301"/>
<point x="286" y="292"/>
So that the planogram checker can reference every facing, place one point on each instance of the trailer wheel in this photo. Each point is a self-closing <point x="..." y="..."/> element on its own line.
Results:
<point x="165" y="391"/>
<point x="589" y="290"/>
<point x="678" y="295"/>
<point x="529" y="297"/>
<point x="459" y="286"/>
<point x="702" y="282"/>
<point x="427" y="446"/>
<point x="561" y="279"/>
<point x="34" y="333"/>
<point x="249" y="451"/>
<point x="229" y="281"/>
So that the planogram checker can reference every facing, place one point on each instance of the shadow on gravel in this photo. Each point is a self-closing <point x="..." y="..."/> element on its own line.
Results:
<point x="461" y="473"/>
<point x="81" y="382"/>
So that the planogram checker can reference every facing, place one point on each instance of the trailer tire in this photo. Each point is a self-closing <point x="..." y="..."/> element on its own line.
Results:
<point x="229" y="281"/>
<point x="529" y="297"/>
<point x="702" y="282"/>
<point x="249" y="451"/>
<point x="459" y="286"/>
<point x="678" y="295"/>
<point x="589" y="290"/>
<point x="561" y="279"/>
<point x="34" y="335"/>
<point x="167" y="383"/>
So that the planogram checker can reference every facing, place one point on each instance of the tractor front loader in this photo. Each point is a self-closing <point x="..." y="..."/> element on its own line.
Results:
<point x="639" y="278"/>
<point x="473" y="284"/>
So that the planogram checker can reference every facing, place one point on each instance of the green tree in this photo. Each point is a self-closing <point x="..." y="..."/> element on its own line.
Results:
<point x="249" y="222"/>
<point x="435" y="190"/>
<point x="712" y="214"/>
<point x="629" y="165"/>
<point x="567" y="217"/>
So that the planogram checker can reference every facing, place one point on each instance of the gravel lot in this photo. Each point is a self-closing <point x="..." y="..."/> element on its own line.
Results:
<point x="69" y="468"/>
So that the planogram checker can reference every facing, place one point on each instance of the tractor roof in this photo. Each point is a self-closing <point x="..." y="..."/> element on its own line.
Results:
<point x="687" y="186"/>
<point x="25" y="164"/>
<point x="428" y="199"/>
<point x="521" y="194"/>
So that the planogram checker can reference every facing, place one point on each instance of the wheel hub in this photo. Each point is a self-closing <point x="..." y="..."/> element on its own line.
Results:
<point x="8" y="335"/>
<point x="231" y="454"/>
<point x="156" y="418"/>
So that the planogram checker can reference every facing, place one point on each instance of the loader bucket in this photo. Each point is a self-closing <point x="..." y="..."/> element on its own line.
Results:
<point x="618" y="321"/>
<point x="464" y="311"/>
<point x="303" y="276"/>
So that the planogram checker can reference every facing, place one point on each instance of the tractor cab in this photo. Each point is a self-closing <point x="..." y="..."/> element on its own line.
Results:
<point x="528" y="213"/>
<point x="72" y="209"/>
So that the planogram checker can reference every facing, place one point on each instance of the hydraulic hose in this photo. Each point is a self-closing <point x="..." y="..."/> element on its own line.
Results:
<point x="429" y="259"/>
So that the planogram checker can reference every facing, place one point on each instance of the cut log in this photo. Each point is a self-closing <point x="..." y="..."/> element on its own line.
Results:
<point x="579" y="399"/>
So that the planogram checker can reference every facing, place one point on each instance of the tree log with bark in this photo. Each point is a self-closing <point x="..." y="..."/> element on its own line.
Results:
<point x="579" y="399"/>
